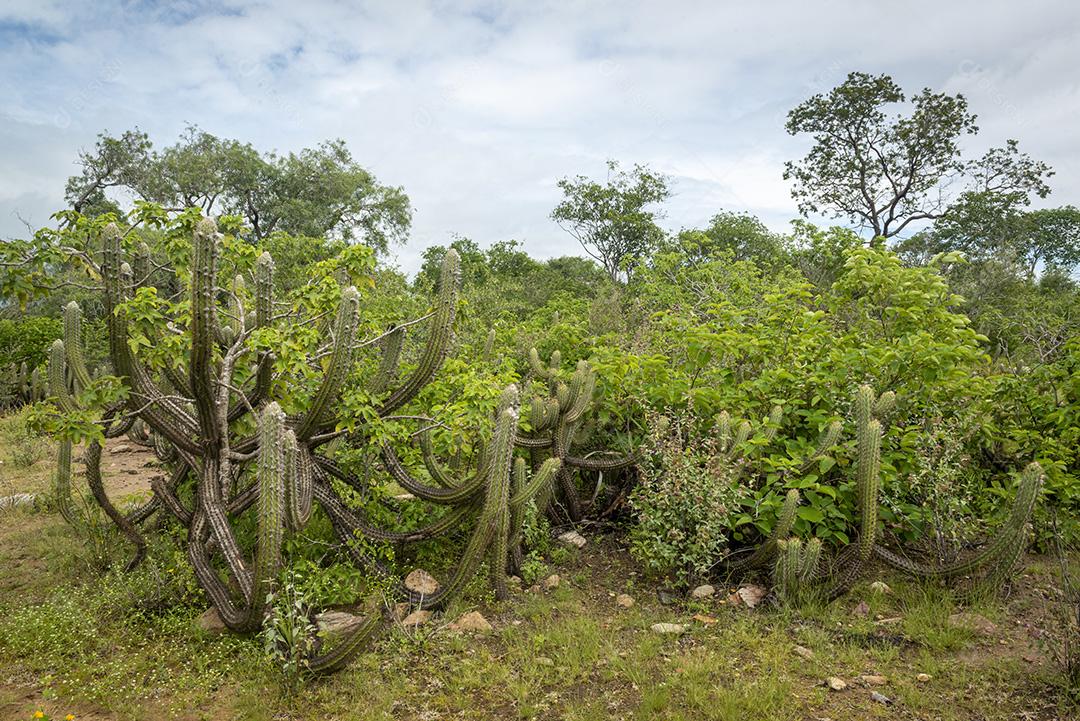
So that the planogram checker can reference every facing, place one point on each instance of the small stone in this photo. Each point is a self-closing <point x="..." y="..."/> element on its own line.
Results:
<point x="675" y="628"/>
<point x="923" y="677"/>
<point x="19" y="500"/>
<point x="666" y="598"/>
<point x="544" y="661"/>
<point x="422" y="582"/>
<point x="210" y="621"/>
<point x="624" y="600"/>
<point x="416" y="618"/>
<point x="873" y="680"/>
<point x="702" y="618"/>
<point x="749" y="596"/>
<point x="552" y="582"/>
<point x="973" y="622"/>
<point x="472" y="621"/>
<point x="704" y="591"/>
<point x="880" y="698"/>
<point x="337" y="623"/>
<point x="120" y="449"/>
<point x="514" y="580"/>
<point x="836" y="683"/>
<point x="404" y="497"/>
<point x="880" y="587"/>
<point x="862" y="610"/>
<point x="891" y="621"/>
<point x="573" y="538"/>
<point x="401" y="610"/>
<point x="804" y="652"/>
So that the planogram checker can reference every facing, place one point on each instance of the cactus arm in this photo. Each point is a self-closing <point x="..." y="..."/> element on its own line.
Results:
<point x="271" y="510"/>
<point x="439" y="336"/>
<point x="868" y="483"/>
<point x="601" y="464"/>
<point x="204" y="328"/>
<point x="298" y="483"/>
<point x="62" y="485"/>
<point x="460" y="493"/>
<point x="58" y="377"/>
<point x="388" y="363"/>
<point x="765" y="551"/>
<point x="97" y="488"/>
<point x="347" y="648"/>
<point x="73" y="345"/>
<point x="341" y="359"/>
<point x="1000" y="547"/>
<point x="163" y="415"/>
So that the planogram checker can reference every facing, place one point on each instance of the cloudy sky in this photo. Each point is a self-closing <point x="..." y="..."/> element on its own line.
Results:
<point x="477" y="108"/>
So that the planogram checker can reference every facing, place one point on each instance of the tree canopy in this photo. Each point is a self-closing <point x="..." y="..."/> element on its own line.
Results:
<point x="886" y="171"/>
<point x="320" y="191"/>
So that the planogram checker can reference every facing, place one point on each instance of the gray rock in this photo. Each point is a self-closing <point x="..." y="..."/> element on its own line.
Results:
<point x="210" y="621"/>
<point x="420" y="581"/>
<point x="673" y="628"/>
<point x="573" y="538"/>
<point x="704" y="591"/>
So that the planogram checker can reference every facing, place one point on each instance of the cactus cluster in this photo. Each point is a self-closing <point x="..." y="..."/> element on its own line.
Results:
<point x="19" y="385"/>
<point x="554" y="422"/>
<point x="230" y="448"/>
<point x="799" y="567"/>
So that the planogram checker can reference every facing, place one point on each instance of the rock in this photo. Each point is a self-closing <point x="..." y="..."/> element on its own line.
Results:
<point x="880" y="587"/>
<point x="19" y="500"/>
<point x="623" y="600"/>
<point x="804" y="652"/>
<point x="573" y="538"/>
<point x="666" y="598"/>
<point x="514" y="581"/>
<point x="889" y="621"/>
<point x="416" y="618"/>
<point x="544" y="661"/>
<point x="401" y="610"/>
<point x="702" y="618"/>
<point x="836" y="683"/>
<point x="120" y="449"/>
<point x="404" y="497"/>
<point x="472" y="621"/>
<point x="337" y="623"/>
<point x="873" y="680"/>
<point x="749" y="596"/>
<point x="923" y="677"/>
<point x="210" y="621"/>
<point x="880" y="698"/>
<point x="704" y="591"/>
<point x="420" y="581"/>
<point x="675" y="628"/>
<point x="862" y="610"/>
<point x="552" y="582"/>
<point x="973" y="622"/>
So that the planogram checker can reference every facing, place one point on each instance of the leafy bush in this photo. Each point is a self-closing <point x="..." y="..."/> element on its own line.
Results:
<point x="683" y="503"/>
<point x="27" y="340"/>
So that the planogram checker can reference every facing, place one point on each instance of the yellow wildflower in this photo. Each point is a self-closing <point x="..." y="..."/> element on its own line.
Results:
<point x="39" y="714"/>
<point x="70" y="717"/>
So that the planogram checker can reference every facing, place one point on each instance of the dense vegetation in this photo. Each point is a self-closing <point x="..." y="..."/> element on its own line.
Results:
<point x="735" y="402"/>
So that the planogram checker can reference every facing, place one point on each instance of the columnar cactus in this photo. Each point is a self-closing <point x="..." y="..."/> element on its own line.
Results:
<point x="554" y="423"/>
<point x="198" y="412"/>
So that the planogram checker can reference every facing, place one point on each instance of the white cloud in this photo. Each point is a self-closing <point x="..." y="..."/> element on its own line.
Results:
<point x="478" y="108"/>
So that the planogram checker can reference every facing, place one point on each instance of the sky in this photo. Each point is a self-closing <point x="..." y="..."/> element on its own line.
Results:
<point x="478" y="108"/>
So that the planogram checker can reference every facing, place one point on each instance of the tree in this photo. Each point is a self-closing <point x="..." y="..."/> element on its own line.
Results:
<point x="610" y="219"/>
<point x="317" y="192"/>
<point x="885" y="172"/>
<point x="742" y="234"/>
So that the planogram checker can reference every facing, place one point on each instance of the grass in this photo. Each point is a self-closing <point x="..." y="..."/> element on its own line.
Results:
<point x="112" y="646"/>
